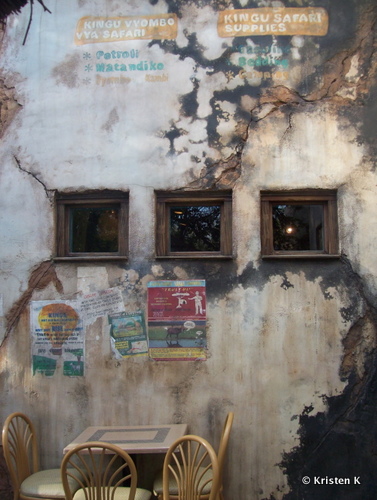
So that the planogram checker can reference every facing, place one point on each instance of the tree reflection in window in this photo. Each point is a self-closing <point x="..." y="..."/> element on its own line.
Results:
<point x="195" y="228"/>
<point x="298" y="227"/>
<point x="94" y="229"/>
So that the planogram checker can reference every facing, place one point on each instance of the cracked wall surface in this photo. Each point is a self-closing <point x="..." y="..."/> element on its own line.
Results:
<point x="291" y="343"/>
<point x="9" y="106"/>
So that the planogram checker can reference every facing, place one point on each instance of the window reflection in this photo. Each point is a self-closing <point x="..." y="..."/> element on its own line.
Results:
<point x="298" y="227"/>
<point x="195" y="228"/>
<point x="94" y="229"/>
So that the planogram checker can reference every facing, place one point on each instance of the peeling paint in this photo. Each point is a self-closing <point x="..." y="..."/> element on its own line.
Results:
<point x="40" y="278"/>
<point x="66" y="72"/>
<point x="8" y="106"/>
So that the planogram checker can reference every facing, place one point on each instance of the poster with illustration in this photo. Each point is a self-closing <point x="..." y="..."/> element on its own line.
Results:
<point x="177" y="320"/>
<point x="57" y="338"/>
<point x="128" y="334"/>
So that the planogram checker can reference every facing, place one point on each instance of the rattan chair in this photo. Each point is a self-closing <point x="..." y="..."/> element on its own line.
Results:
<point x="20" y="449"/>
<point x="102" y="471"/>
<point x="190" y="470"/>
<point x="157" y="485"/>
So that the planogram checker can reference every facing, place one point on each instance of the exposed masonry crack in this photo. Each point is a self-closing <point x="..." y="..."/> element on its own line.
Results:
<point x="352" y="338"/>
<point x="289" y="127"/>
<point x="49" y="192"/>
<point x="41" y="277"/>
<point x="274" y="98"/>
<point x="334" y="77"/>
<point x="220" y="175"/>
<point x="223" y="174"/>
<point x="8" y="105"/>
<point x="271" y="101"/>
<point x="340" y="64"/>
<point x="336" y="69"/>
<point x="358" y="279"/>
<point x="356" y="346"/>
<point x="335" y="72"/>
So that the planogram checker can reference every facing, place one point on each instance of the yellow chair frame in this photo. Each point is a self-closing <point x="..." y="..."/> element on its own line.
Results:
<point x="21" y="455"/>
<point x="191" y="465"/>
<point x="227" y="427"/>
<point x="100" y="470"/>
<point x="223" y="446"/>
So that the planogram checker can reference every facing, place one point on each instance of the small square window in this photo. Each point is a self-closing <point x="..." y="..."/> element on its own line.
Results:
<point x="194" y="224"/>
<point x="299" y="223"/>
<point x="92" y="225"/>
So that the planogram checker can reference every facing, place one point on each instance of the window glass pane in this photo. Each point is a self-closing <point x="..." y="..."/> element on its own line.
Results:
<point x="298" y="227"/>
<point x="195" y="228"/>
<point x="94" y="229"/>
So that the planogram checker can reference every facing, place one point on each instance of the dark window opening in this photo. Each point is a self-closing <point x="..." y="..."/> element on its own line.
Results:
<point x="194" y="224"/>
<point x="298" y="227"/>
<point x="299" y="223"/>
<point x="94" y="229"/>
<point x="92" y="225"/>
<point x="195" y="229"/>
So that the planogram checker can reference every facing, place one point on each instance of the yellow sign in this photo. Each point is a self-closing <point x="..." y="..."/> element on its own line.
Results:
<point x="312" y="21"/>
<point x="120" y="29"/>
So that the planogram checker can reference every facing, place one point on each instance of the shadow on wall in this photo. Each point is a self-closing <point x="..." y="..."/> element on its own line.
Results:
<point x="337" y="458"/>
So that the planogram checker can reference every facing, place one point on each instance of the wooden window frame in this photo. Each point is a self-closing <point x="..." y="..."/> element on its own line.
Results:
<point x="65" y="201"/>
<point x="166" y="199"/>
<point x="325" y="197"/>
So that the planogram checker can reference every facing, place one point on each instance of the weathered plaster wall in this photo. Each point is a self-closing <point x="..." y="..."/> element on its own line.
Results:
<point x="291" y="343"/>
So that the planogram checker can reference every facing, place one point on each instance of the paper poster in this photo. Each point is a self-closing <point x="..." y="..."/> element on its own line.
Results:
<point x="102" y="303"/>
<point x="57" y="336"/>
<point x="177" y="320"/>
<point x="128" y="334"/>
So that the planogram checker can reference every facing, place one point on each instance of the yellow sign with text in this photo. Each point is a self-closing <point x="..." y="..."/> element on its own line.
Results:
<point x="120" y="29"/>
<point x="313" y="21"/>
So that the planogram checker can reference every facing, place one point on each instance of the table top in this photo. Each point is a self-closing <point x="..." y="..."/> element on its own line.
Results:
<point x="133" y="438"/>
